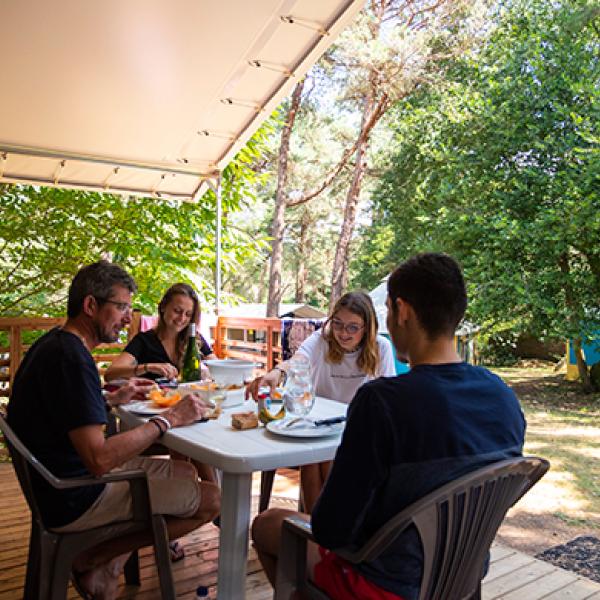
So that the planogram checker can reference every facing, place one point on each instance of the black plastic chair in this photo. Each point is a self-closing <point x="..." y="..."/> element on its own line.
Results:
<point x="51" y="554"/>
<point x="456" y="523"/>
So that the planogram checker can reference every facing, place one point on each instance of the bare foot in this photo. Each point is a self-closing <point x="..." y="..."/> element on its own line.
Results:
<point x="102" y="582"/>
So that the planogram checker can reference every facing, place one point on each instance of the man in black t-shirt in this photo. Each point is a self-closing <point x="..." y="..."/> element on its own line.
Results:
<point x="405" y="436"/>
<point x="58" y="410"/>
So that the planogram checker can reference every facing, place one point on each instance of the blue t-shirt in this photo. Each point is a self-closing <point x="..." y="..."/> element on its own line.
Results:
<point x="406" y="436"/>
<point x="57" y="389"/>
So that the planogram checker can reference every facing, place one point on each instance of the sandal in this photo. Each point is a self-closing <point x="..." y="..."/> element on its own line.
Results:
<point x="176" y="550"/>
<point x="78" y="587"/>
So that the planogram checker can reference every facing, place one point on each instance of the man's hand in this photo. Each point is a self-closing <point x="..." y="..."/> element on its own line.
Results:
<point x="189" y="409"/>
<point x="271" y="379"/>
<point x="134" y="388"/>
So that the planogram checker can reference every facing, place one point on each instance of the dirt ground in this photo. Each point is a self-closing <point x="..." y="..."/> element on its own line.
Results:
<point x="563" y="426"/>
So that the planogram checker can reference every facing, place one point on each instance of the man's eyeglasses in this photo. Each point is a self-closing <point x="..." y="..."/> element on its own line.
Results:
<point x="122" y="307"/>
<point x="350" y="328"/>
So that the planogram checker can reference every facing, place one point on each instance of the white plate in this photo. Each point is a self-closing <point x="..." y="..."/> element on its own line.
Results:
<point x="307" y="431"/>
<point x="144" y="407"/>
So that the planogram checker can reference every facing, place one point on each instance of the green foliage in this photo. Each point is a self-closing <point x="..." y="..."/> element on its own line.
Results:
<point x="46" y="234"/>
<point x="500" y="168"/>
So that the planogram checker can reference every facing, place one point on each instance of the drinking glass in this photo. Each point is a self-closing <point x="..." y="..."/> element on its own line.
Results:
<point x="298" y="394"/>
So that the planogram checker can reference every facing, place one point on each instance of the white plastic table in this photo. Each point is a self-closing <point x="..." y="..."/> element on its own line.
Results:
<point x="238" y="454"/>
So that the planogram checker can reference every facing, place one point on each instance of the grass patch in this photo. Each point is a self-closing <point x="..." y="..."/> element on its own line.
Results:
<point x="574" y="521"/>
<point x="563" y="425"/>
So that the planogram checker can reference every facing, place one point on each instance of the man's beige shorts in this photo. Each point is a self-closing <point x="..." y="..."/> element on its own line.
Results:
<point x="168" y="496"/>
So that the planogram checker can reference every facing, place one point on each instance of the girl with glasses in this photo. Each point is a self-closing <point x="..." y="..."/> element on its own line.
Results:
<point x="345" y="353"/>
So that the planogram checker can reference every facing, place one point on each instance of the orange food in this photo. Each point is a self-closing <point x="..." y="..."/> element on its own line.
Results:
<point x="203" y="386"/>
<point x="161" y="400"/>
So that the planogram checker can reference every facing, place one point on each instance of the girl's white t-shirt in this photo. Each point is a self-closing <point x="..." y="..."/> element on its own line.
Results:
<point x="340" y="381"/>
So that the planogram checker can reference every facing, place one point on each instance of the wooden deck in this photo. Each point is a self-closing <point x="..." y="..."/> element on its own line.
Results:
<point x="513" y="575"/>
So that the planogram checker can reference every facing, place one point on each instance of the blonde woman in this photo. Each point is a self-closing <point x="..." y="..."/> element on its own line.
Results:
<point x="345" y="353"/>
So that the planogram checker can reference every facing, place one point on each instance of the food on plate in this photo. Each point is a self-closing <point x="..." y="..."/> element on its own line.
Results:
<point x="164" y="398"/>
<point x="214" y="413"/>
<point x="209" y="386"/>
<point x="245" y="420"/>
<point x="233" y="386"/>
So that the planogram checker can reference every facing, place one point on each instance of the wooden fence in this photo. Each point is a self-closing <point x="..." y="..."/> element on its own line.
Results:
<point x="258" y="340"/>
<point x="255" y="339"/>
<point x="12" y="354"/>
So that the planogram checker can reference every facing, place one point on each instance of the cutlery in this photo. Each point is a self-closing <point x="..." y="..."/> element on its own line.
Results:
<point x="330" y="421"/>
<point x="166" y="383"/>
<point x="317" y="423"/>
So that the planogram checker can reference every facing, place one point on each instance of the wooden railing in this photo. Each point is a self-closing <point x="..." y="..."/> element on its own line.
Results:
<point x="258" y="340"/>
<point x="12" y="354"/>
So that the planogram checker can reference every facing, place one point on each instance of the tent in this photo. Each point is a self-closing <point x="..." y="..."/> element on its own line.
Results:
<point x="148" y="97"/>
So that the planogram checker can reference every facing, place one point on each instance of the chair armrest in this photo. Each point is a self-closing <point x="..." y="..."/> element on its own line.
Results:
<point x="137" y="478"/>
<point x="291" y="566"/>
<point x="85" y="481"/>
<point x="299" y="527"/>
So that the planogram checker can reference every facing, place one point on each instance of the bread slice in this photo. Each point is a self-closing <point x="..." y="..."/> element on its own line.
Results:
<point x="246" y="420"/>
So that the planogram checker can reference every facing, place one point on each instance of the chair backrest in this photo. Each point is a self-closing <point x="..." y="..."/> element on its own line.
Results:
<point x="22" y="459"/>
<point x="457" y="524"/>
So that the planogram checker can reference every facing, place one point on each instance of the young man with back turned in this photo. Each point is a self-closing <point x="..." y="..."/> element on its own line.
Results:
<point x="405" y="436"/>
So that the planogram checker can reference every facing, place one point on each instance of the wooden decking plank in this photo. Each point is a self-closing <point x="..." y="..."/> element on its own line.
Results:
<point x="508" y="564"/>
<point x="580" y="589"/>
<point x="553" y="581"/>
<point x="500" y="552"/>
<point x="517" y="579"/>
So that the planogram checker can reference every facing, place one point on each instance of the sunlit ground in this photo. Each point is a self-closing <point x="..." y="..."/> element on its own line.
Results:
<point x="564" y="427"/>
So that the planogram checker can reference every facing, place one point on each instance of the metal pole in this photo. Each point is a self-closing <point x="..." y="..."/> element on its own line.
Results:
<point x="218" y="193"/>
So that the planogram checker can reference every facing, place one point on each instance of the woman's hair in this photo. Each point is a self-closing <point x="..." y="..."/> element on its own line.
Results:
<point x="360" y="304"/>
<point x="185" y="290"/>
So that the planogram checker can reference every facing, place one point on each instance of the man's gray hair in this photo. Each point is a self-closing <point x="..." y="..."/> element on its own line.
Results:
<point x="97" y="280"/>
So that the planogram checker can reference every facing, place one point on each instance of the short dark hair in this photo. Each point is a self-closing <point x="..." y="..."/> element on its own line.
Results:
<point x="97" y="280"/>
<point x="432" y="283"/>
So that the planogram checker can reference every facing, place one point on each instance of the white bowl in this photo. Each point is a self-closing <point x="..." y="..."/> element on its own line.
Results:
<point x="230" y="371"/>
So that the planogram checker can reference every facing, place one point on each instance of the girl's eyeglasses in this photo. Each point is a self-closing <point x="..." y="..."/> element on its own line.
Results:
<point x="350" y="328"/>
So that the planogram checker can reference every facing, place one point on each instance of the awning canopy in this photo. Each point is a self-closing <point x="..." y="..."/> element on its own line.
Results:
<point x="148" y="97"/>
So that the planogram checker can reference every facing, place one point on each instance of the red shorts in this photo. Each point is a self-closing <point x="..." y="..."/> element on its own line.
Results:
<point x="340" y="581"/>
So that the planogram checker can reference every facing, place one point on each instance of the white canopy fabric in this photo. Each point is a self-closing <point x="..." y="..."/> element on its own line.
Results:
<point x="148" y="97"/>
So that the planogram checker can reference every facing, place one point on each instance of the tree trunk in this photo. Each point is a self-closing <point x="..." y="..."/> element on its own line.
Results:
<point x="304" y="252"/>
<point x="278" y="225"/>
<point x="582" y="368"/>
<point x="339" y="275"/>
